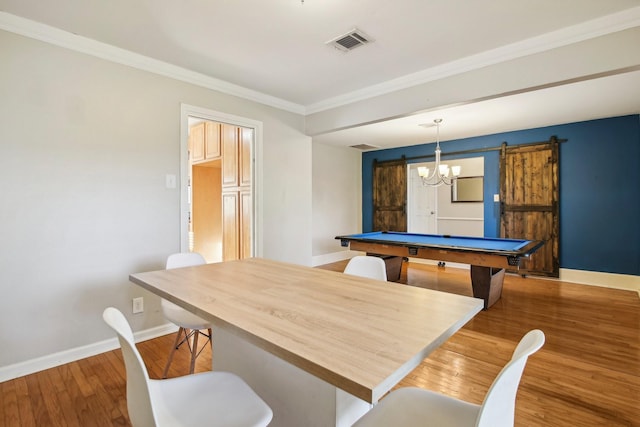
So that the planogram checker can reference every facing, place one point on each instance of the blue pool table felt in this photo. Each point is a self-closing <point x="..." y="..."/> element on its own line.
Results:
<point x="477" y="243"/>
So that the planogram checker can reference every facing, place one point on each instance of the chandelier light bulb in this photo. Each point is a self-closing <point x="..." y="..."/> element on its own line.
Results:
<point x="440" y="173"/>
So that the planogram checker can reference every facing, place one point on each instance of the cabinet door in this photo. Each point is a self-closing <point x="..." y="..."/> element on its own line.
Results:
<point x="206" y="212"/>
<point x="229" y="136"/>
<point x="230" y="226"/>
<point x="196" y="142"/>
<point x="246" y="138"/>
<point x="245" y="224"/>
<point x="212" y="140"/>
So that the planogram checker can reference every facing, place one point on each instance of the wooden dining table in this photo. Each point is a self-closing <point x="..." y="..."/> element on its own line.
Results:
<point x="320" y="347"/>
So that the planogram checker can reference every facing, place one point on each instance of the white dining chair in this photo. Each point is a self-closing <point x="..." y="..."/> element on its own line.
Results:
<point x="205" y="399"/>
<point x="190" y="326"/>
<point x="413" y="406"/>
<point x="372" y="267"/>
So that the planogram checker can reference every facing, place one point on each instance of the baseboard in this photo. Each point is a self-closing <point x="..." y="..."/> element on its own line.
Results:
<point x="333" y="257"/>
<point x="582" y="277"/>
<point x="597" y="278"/>
<point x="52" y="360"/>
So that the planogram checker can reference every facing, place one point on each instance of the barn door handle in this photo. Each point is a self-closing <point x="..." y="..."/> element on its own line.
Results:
<point x="501" y="208"/>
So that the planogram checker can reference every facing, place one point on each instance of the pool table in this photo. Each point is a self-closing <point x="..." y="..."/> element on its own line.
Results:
<point x="488" y="257"/>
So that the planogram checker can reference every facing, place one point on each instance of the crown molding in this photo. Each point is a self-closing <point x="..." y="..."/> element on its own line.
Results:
<point x="65" y="39"/>
<point x="608" y="24"/>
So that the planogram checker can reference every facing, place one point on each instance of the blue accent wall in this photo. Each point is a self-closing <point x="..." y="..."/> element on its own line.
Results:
<point x="599" y="188"/>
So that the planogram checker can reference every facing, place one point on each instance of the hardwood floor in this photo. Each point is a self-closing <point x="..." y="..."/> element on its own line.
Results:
<point x="587" y="373"/>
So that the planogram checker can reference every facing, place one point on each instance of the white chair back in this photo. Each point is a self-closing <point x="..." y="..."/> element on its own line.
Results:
<point x="141" y="412"/>
<point x="498" y="408"/>
<point x="173" y="312"/>
<point x="189" y="325"/>
<point x="212" y="398"/>
<point x="372" y="267"/>
<point x="418" y="407"/>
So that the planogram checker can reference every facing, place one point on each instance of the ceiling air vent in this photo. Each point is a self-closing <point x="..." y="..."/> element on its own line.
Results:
<point x="364" y="147"/>
<point x="350" y="41"/>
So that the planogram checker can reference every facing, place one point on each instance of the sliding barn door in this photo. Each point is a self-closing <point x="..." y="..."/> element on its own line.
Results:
<point x="529" y="208"/>
<point x="390" y="196"/>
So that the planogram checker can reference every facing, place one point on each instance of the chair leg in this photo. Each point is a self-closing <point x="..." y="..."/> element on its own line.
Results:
<point x="175" y="346"/>
<point x="184" y="335"/>
<point x="194" y="351"/>
<point x="208" y="341"/>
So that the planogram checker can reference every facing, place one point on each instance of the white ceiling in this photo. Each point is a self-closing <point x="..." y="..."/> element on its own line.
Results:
<point x="277" y="48"/>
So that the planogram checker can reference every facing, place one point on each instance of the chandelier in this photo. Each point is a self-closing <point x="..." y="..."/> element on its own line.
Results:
<point x="440" y="173"/>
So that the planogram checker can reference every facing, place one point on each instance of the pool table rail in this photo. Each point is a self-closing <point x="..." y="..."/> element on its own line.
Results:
<point x="508" y="259"/>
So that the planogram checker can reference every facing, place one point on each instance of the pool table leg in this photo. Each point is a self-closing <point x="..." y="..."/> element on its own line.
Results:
<point x="393" y="265"/>
<point x="487" y="284"/>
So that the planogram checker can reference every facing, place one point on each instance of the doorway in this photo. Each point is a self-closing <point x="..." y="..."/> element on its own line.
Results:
<point x="210" y="224"/>
<point x="421" y="203"/>
<point x="435" y="210"/>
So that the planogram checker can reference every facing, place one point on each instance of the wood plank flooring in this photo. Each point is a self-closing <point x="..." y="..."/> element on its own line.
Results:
<point x="587" y="373"/>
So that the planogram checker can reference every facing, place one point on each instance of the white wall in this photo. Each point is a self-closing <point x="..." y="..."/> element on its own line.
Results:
<point x="337" y="199"/>
<point x="287" y="197"/>
<point x="85" y="145"/>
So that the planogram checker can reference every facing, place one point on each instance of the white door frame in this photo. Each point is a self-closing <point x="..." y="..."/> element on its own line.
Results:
<point x="187" y="111"/>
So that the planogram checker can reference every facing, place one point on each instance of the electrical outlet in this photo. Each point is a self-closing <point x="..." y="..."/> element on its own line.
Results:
<point x="138" y="305"/>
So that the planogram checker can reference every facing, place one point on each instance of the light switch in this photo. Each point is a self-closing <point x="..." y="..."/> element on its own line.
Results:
<point x="496" y="197"/>
<point x="171" y="181"/>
